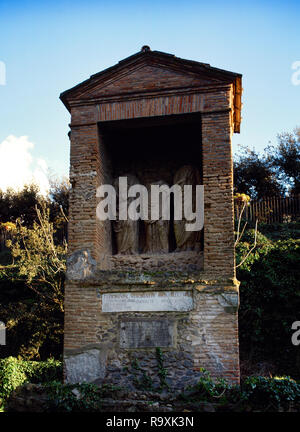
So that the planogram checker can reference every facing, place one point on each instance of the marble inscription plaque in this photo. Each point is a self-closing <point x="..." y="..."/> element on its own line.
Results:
<point x="147" y="301"/>
<point x="146" y="333"/>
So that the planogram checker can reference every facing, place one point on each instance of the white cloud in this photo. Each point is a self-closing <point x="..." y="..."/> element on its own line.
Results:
<point x="18" y="167"/>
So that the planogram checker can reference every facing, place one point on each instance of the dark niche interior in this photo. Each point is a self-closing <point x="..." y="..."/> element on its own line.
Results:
<point x="152" y="149"/>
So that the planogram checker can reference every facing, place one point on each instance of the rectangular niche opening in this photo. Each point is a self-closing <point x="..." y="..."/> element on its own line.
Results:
<point x="152" y="150"/>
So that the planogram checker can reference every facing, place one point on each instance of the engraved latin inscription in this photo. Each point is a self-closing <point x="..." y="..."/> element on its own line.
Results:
<point x="147" y="333"/>
<point x="147" y="301"/>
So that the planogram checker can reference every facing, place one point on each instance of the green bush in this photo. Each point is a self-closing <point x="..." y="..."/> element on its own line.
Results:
<point x="270" y="303"/>
<point x="281" y="231"/>
<point x="83" y="397"/>
<point x="264" y="393"/>
<point x="261" y="239"/>
<point x="256" y="393"/>
<point x="34" y="329"/>
<point x="208" y="390"/>
<point x="14" y="373"/>
<point x="34" y="324"/>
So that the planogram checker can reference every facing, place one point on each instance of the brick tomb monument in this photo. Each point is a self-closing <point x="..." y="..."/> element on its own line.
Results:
<point x="140" y="291"/>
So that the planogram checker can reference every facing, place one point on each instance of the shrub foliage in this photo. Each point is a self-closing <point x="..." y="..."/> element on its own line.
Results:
<point x="269" y="302"/>
<point x="14" y="373"/>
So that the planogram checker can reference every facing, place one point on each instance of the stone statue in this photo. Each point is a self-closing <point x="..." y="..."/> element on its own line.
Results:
<point x="127" y="231"/>
<point x="186" y="240"/>
<point x="157" y="231"/>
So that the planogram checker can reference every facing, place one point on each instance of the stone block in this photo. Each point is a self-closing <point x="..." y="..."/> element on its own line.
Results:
<point x="87" y="366"/>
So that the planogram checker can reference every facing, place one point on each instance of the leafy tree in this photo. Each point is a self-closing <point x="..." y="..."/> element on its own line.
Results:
<point x="59" y="207"/>
<point x="59" y="197"/>
<point x="285" y="159"/>
<point x="38" y="259"/>
<point x="31" y="291"/>
<point x="20" y="204"/>
<point x="254" y="175"/>
<point x="274" y="172"/>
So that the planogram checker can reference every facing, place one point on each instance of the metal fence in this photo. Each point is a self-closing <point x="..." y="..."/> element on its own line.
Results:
<point x="271" y="210"/>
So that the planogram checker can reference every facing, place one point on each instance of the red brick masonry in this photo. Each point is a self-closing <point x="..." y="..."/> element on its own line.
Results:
<point x="158" y="86"/>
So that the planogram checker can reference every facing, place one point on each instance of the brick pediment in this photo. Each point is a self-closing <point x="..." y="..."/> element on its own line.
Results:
<point x="145" y="78"/>
<point x="148" y="73"/>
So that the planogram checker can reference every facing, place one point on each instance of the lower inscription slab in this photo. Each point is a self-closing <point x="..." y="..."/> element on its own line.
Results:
<point x="147" y="301"/>
<point x="147" y="333"/>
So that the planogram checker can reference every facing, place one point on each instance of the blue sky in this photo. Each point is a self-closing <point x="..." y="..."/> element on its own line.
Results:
<point x="48" y="47"/>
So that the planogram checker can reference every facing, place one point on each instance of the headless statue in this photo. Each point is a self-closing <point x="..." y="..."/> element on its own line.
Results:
<point x="127" y="231"/>
<point x="157" y="231"/>
<point x="187" y="240"/>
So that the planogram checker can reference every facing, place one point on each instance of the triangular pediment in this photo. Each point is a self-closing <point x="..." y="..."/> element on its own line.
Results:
<point x="143" y="78"/>
<point x="151" y="72"/>
<point x="146" y="72"/>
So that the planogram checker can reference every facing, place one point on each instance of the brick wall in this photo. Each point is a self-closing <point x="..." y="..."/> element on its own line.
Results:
<point x="89" y="169"/>
<point x="218" y="190"/>
<point x="84" y="177"/>
<point x="206" y="337"/>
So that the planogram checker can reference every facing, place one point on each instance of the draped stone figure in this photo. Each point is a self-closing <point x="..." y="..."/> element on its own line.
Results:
<point x="187" y="240"/>
<point x="127" y="231"/>
<point x="157" y="231"/>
